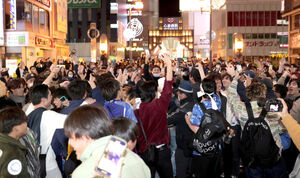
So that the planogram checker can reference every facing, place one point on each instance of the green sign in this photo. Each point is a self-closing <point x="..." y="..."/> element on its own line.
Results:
<point x="83" y="3"/>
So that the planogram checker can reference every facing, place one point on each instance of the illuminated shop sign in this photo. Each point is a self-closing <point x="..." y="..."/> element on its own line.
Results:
<point x="13" y="15"/>
<point x="83" y="3"/>
<point x="261" y="43"/>
<point x="43" y="42"/>
<point x="1" y="24"/>
<point x="170" y="23"/>
<point x="134" y="28"/>
<point x="16" y="38"/>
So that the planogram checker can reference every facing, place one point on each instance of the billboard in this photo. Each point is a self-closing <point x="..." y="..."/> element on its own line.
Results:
<point x="170" y="23"/>
<point x="62" y="16"/>
<point x="83" y="3"/>
<point x="1" y="24"/>
<point x="13" y="15"/>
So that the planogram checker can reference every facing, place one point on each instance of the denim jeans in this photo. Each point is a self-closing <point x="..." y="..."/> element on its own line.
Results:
<point x="277" y="171"/>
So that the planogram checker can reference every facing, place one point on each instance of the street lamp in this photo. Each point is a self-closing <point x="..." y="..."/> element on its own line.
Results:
<point x="238" y="46"/>
<point x="103" y="44"/>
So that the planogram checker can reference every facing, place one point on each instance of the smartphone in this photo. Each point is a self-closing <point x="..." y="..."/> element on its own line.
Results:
<point x="62" y="99"/>
<point x="113" y="151"/>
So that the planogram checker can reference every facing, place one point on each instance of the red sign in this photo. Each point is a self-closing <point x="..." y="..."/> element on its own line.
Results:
<point x="43" y="42"/>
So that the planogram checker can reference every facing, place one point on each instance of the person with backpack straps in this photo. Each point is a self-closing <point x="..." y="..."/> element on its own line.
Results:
<point x="206" y="163"/>
<point x="256" y="92"/>
<point x="44" y="122"/>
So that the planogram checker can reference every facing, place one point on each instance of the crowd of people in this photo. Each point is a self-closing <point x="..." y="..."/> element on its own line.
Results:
<point x="180" y="118"/>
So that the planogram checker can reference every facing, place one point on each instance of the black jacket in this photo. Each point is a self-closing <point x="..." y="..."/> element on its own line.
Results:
<point x="184" y="135"/>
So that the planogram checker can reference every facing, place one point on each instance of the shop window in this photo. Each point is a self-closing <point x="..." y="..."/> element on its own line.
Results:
<point x="236" y="18"/>
<point x="273" y="18"/>
<point x="267" y="36"/>
<point x="273" y="35"/>
<point x="28" y="16"/>
<point x="230" y="41"/>
<point x="35" y="19"/>
<point x="267" y="18"/>
<point x="248" y="19"/>
<point x="42" y="18"/>
<point x="260" y="36"/>
<point x="248" y="36"/>
<point x="254" y="36"/>
<point x="229" y="19"/>
<point x="254" y="18"/>
<point x="297" y="21"/>
<point x="242" y="18"/>
<point x="261" y="15"/>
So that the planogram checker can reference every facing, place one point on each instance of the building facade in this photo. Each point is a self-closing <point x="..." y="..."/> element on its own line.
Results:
<point x="80" y="17"/>
<point x="291" y="10"/>
<point x="32" y="29"/>
<point x="263" y="29"/>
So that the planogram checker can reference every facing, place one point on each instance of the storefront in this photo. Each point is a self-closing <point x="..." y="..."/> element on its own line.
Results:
<point x="30" y="33"/>
<point x="179" y="41"/>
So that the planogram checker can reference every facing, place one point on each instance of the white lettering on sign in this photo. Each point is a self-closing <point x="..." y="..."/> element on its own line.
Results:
<point x="82" y="1"/>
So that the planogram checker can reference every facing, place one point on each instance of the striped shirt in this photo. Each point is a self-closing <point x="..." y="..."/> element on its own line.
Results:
<point x="238" y="109"/>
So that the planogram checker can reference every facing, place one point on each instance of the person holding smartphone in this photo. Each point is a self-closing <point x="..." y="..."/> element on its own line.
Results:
<point x="90" y="141"/>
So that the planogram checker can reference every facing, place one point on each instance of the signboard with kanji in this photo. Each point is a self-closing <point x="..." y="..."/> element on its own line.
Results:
<point x="171" y="23"/>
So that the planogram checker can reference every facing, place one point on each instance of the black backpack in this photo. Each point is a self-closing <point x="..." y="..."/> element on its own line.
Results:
<point x="210" y="133"/>
<point x="257" y="144"/>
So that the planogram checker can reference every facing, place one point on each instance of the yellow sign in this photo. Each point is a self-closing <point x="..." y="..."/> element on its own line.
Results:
<point x="62" y="16"/>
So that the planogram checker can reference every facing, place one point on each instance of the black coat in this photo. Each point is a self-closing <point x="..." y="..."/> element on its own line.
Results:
<point x="184" y="135"/>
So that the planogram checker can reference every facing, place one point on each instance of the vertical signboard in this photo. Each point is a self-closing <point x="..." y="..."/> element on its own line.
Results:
<point x="1" y="24"/>
<point x="13" y="15"/>
<point x="62" y="16"/>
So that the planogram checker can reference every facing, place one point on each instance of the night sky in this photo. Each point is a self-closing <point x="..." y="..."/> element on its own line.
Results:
<point x="169" y="8"/>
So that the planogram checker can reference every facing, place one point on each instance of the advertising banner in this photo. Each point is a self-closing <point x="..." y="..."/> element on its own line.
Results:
<point x="171" y="23"/>
<point x="1" y="24"/>
<point x="83" y="3"/>
<point x="13" y="15"/>
<point x="16" y="38"/>
<point x="62" y="16"/>
<point x="12" y="65"/>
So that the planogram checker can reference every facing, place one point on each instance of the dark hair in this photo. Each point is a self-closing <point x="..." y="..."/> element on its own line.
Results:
<point x="208" y="85"/>
<point x="110" y="89"/>
<point x="37" y="93"/>
<point x="15" y="83"/>
<point x="147" y="91"/>
<point x="59" y="92"/>
<point x="5" y="73"/>
<point x="100" y="80"/>
<point x="125" y="128"/>
<point x="295" y="80"/>
<point x="214" y="76"/>
<point x="77" y="89"/>
<point x="196" y="75"/>
<point x="89" y="121"/>
<point x="281" y="89"/>
<point x="226" y="75"/>
<point x="11" y="117"/>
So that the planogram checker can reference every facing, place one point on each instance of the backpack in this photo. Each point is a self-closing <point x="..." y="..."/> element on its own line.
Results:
<point x="210" y="133"/>
<point x="34" y="123"/>
<point x="257" y="143"/>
